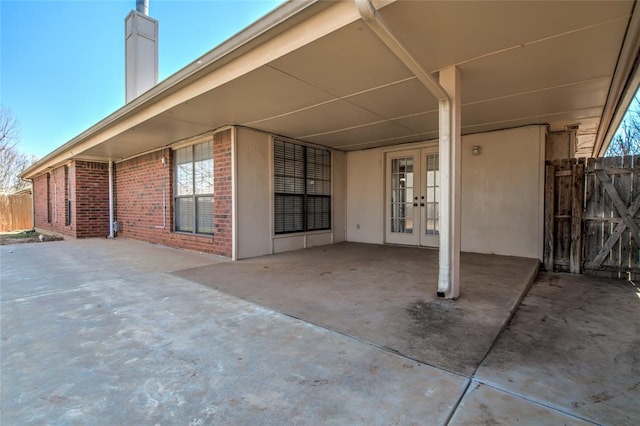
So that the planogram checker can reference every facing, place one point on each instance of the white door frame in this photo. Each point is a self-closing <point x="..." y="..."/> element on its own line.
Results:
<point x="406" y="199"/>
<point x="402" y="181"/>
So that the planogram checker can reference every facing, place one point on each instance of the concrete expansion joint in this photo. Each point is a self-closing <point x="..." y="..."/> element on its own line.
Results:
<point x="530" y="280"/>
<point x="475" y="380"/>
<point x="462" y="395"/>
<point x="373" y="345"/>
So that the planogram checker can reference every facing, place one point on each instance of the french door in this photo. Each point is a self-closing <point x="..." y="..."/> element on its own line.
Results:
<point x="413" y="197"/>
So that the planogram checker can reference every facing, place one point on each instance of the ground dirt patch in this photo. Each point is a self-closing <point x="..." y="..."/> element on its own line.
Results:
<point x="21" y="237"/>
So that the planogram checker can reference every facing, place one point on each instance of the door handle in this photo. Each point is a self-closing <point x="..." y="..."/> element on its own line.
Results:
<point x="421" y="204"/>
<point x="415" y="204"/>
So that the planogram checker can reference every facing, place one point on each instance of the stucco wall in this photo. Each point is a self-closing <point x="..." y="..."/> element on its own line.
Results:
<point x="254" y="193"/>
<point x="501" y="190"/>
<point x="365" y="201"/>
<point x="338" y="208"/>
<point x="254" y="208"/>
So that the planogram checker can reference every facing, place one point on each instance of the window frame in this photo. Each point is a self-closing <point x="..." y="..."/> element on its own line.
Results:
<point x="49" y="200"/>
<point x="67" y="192"/>
<point x="193" y="195"/>
<point x="303" y="198"/>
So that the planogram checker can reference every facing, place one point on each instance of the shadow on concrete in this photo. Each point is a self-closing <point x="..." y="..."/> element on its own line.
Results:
<point x="384" y="295"/>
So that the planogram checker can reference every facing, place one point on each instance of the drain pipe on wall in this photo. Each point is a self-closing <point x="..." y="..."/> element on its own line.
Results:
<point x="449" y="275"/>
<point x="164" y="195"/>
<point x="111" y="233"/>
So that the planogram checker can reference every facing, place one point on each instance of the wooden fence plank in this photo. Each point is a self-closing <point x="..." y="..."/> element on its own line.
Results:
<point x="613" y="238"/>
<point x="577" y="192"/>
<point x="563" y="214"/>
<point x="15" y="212"/>
<point x="619" y="204"/>
<point x="625" y="189"/>
<point x="634" y="246"/>
<point x="549" y="219"/>
<point x="591" y="211"/>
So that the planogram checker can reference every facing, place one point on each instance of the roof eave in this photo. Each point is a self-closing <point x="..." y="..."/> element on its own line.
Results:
<point x="625" y="82"/>
<point x="273" y="23"/>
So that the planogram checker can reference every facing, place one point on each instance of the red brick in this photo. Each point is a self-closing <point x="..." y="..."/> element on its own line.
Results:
<point x="139" y="188"/>
<point x="138" y="191"/>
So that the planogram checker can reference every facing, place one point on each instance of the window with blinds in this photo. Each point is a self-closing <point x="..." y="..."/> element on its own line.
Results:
<point x="193" y="200"/>
<point x="302" y="188"/>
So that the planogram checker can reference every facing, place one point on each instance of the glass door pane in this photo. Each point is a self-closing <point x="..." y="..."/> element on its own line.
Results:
<point x="402" y="192"/>
<point x="432" y="192"/>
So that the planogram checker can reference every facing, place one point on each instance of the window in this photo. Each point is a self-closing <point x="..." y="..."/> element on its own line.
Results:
<point x="302" y="187"/>
<point x="67" y="194"/>
<point x="49" y="199"/>
<point x="433" y="195"/>
<point x="194" y="189"/>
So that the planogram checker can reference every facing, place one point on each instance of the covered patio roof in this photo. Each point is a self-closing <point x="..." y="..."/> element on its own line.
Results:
<point x="315" y="72"/>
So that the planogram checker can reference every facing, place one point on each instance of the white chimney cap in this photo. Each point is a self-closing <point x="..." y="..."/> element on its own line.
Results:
<point x="142" y="6"/>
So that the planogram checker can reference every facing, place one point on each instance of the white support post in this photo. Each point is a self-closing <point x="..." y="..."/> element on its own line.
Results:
<point x="448" y="93"/>
<point x="450" y="159"/>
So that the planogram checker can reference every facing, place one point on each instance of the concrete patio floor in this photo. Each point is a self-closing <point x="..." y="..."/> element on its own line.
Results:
<point x="573" y="345"/>
<point x="384" y="295"/>
<point x="111" y="332"/>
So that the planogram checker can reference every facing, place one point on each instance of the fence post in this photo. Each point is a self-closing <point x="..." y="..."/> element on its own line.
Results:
<point x="577" y="196"/>
<point x="549" y="216"/>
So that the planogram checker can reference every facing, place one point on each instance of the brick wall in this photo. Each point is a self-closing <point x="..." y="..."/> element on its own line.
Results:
<point x="51" y="196"/>
<point x="223" y="196"/>
<point x="40" y="201"/>
<point x="90" y="209"/>
<point x="144" y="189"/>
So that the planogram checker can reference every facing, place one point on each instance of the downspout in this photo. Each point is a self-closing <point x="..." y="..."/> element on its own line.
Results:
<point x="111" y="233"/>
<point x="449" y="266"/>
<point x="164" y="195"/>
<point x="373" y="19"/>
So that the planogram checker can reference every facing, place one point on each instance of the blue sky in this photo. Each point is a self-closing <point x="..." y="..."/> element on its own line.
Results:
<point x="62" y="62"/>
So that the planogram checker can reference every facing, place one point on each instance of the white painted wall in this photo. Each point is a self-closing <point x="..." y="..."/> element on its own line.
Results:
<point x="254" y="193"/>
<point x="282" y="243"/>
<point x="502" y="193"/>
<point x="254" y="200"/>
<point x="338" y="199"/>
<point x="365" y="196"/>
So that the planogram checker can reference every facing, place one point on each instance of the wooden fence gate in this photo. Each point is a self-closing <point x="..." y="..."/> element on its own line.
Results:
<point x="591" y="216"/>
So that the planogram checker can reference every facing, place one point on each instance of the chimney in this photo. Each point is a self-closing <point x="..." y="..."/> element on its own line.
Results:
<point x="141" y="50"/>
<point x="142" y="6"/>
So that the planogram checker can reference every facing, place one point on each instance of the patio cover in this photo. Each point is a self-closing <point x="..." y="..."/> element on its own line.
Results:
<point x="314" y="71"/>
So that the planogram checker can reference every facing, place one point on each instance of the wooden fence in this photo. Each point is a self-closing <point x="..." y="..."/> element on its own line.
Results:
<point x="591" y="216"/>
<point x="15" y="212"/>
